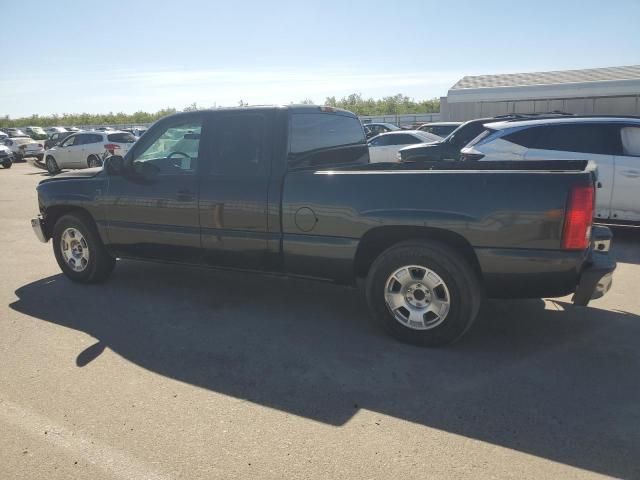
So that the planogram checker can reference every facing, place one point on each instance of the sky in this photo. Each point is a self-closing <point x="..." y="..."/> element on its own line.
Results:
<point x="99" y="57"/>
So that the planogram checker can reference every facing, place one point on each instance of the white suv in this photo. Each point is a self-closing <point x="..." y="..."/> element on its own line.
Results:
<point x="612" y="142"/>
<point x="85" y="149"/>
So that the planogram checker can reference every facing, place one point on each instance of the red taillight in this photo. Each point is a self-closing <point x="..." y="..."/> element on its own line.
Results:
<point x="111" y="147"/>
<point x="578" y="219"/>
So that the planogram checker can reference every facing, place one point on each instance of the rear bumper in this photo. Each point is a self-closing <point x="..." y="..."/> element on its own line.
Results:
<point x="38" y="228"/>
<point x="597" y="275"/>
<point x="537" y="273"/>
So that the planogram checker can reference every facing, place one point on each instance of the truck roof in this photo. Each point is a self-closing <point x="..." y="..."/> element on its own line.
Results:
<point x="303" y="108"/>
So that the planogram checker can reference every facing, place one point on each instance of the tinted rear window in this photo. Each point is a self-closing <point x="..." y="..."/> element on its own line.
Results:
<point x="582" y="138"/>
<point x="314" y="131"/>
<point x="404" y="139"/>
<point x="124" y="137"/>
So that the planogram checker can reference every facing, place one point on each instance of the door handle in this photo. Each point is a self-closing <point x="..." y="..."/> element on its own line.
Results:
<point x="631" y="173"/>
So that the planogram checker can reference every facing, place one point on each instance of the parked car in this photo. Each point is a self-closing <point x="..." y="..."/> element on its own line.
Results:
<point x="85" y="149"/>
<point x="73" y="129"/>
<point x="449" y="148"/>
<point x="6" y="156"/>
<point x="289" y="190"/>
<point x="613" y="143"/>
<point x="104" y="129"/>
<point x="137" y="131"/>
<point x="23" y="147"/>
<point x="16" y="133"/>
<point x="55" y="139"/>
<point x="442" y="129"/>
<point x="373" y="129"/>
<point x="3" y="135"/>
<point x="51" y="130"/>
<point x="385" y="147"/>
<point x="37" y="133"/>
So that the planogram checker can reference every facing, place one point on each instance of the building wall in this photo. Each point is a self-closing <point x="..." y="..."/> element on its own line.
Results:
<point x="614" y="105"/>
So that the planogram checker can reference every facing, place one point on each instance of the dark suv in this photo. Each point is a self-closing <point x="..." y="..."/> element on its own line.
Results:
<point x="449" y="148"/>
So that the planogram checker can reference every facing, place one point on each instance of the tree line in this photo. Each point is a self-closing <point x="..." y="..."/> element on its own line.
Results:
<point x="392" y="105"/>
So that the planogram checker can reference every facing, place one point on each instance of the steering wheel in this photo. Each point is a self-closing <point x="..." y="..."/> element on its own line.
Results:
<point x="178" y="153"/>
<point x="177" y="165"/>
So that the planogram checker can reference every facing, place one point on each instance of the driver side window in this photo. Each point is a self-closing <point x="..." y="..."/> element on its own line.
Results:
<point x="69" y="141"/>
<point x="173" y="149"/>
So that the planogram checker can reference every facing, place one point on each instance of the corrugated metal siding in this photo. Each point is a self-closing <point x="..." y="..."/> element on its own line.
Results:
<point x="619" y="105"/>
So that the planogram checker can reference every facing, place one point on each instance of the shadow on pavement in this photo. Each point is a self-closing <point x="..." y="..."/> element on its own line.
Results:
<point x="562" y="385"/>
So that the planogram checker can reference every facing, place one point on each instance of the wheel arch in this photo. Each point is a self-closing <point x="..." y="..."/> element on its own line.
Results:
<point x="55" y="212"/>
<point x="379" y="239"/>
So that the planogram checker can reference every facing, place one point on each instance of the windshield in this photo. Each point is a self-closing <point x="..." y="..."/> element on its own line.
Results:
<point x="465" y="133"/>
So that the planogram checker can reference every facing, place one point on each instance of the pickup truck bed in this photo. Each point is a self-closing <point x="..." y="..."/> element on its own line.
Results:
<point x="430" y="242"/>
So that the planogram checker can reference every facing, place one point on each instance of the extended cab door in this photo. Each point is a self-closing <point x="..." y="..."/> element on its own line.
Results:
<point x="152" y="209"/>
<point x="238" y="228"/>
<point x="625" y="201"/>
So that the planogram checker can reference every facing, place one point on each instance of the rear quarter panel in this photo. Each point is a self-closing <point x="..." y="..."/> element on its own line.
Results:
<point x="492" y="211"/>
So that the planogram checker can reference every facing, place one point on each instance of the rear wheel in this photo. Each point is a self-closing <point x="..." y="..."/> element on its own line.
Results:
<point x="79" y="251"/>
<point x="93" y="161"/>
<point x="423" y="292"/>
<point x="7" y="163"/>
<point x="52" y="166"/>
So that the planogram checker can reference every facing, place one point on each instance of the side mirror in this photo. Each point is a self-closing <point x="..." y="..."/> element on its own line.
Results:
<point x="114" y="165"/>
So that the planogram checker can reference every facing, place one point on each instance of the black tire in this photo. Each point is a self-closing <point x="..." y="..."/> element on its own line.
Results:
<point x="40" y="157"/>
<point x="52" y="165"/>
<point x="7" y="163"/>
<point x="93" y="161"/>
<point x="99" y="265"/>
<point x="462" y="289"/>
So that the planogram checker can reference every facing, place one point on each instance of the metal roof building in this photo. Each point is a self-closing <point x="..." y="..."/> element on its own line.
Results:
<point x="610" y="91"/>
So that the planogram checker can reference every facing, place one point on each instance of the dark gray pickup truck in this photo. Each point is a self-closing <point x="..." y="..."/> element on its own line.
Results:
<point x="290" y="190"/>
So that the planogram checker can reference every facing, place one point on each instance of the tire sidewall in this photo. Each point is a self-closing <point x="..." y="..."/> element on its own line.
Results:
<point x="71" y="221"/>
<point x="52" y="166"/>
<point x="463" y="292"/>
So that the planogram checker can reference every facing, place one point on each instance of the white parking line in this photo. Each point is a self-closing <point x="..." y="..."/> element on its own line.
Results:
<point x="109" y="459"/>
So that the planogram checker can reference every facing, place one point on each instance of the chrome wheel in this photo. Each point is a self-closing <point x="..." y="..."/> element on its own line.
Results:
<point x="93" y="161"/>
<point x="417" y="297"/>
<point x="74" y="249"/>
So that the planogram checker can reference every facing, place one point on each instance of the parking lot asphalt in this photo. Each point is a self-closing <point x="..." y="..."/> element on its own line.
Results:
<point x="175" y="372"/>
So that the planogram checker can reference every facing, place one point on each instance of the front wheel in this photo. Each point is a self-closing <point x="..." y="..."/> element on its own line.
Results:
<point x="423" y="292"/>
<point x="79" y="251"/>
<point x="7" y="163"/>
<point x="52" y="166"/>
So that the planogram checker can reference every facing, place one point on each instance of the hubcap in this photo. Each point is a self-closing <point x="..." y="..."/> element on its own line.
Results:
<point x="417" y="297"/>
<point x="75" y="249"/>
